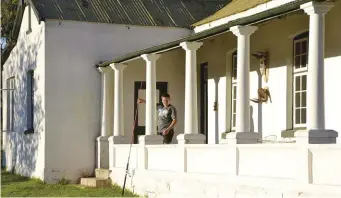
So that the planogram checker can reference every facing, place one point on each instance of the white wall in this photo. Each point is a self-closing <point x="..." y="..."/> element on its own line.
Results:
<point x="73" y="88"/>
<point x="248" y="171"/>
<point x="26" y="153"/>
<point x="272" y="118"/>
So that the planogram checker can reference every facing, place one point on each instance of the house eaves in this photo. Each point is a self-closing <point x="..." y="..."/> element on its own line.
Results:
<point x="254" y="19"/>
<point x="236" y="6"/>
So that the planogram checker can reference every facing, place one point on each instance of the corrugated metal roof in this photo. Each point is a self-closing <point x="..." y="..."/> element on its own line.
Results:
<point x="171" y="13"/>
<point x="253" y="19"/>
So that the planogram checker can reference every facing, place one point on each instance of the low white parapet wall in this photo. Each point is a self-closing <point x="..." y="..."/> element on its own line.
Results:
<point x="231" y="171"/>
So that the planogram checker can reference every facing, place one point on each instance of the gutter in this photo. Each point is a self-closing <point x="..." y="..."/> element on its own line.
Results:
<point x="250" y="20"/>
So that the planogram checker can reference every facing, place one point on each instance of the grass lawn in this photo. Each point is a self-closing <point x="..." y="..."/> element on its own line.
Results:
<point x="18" y="186"/>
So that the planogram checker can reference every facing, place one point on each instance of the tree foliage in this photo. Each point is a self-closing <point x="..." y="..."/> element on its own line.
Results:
<point x="8" y="13"/>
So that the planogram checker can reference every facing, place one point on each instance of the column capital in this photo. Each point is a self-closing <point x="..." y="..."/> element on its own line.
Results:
<point x="191" y="45"/>
<point x="118" y="66"/>
<point x="150" y="57"/>
<point x="316" y="7"/>
<point x="104" y="69"/>
<point x="243" y="30"/>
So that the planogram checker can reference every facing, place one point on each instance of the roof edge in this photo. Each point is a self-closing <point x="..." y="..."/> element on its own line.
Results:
<point x="253" y="19"/>
<point x="210" y="18"/>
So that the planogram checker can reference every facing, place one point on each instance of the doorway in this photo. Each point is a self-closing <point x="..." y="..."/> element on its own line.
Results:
<point x="140" y="91"/>
<point x="203" y="100"/>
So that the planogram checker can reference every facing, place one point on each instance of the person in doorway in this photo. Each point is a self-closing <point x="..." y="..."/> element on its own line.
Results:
<point x="167" y="118"/>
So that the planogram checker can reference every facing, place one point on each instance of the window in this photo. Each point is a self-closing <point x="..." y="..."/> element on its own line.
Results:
<point x="300" y="80"/>
<point x="30" y="101"/>
<point x="234" y="90"/>
<point x="10" y="84"/>
<point x="29" y="18"/>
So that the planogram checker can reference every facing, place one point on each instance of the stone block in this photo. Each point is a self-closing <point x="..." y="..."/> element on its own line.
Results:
<point x="243" y="138"/>
<point x="316" y="136"/>
<point x="102" y="173"/>
<point x="150" y="139"/>
<point x="95" y="182"/>
<point x="191" y="139"/>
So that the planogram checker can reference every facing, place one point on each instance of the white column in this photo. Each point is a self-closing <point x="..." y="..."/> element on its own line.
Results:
<point x="315" y="86"/>
<point x="243" y="76"/>
<point x="150" y="136"/>
<point x="105" y="125"/>
<point x="118" y="102"/>
<point x="102" y="141"/>
<point x="315" y="82"/>
<point x="191" y="134"/>
<point x="243" y="134"/>
<point x="118" y="134"/>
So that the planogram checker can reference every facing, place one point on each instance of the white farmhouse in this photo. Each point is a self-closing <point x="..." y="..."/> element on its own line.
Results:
<point x="254" y="82"/>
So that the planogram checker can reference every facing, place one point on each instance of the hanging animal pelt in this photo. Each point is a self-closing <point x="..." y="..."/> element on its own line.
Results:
<point x="263" y="95"/>
<point x="263" y="58"/>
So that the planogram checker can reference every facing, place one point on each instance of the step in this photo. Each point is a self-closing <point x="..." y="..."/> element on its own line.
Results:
<point x="95" y="182"/>
<point x="102" y="173"/>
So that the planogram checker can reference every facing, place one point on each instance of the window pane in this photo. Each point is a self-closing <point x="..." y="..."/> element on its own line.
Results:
<point x="304" y="60"/>
<point x="304" y="47"/>
<point x="234" y="120"/>
<point x="297" y="82"/>
<point x="304" y="82"/>
<point x="234" y="106"/>
<point x="297" y="62"/>
<point x="297" y="99"/>
<point x="297" y="116"/>
<point x="298" y="48"/>
<point x="304" y="99"/>
<point x="234" y="73"/>
<point x="303" y="115"/>
<point x="234" y="92"/>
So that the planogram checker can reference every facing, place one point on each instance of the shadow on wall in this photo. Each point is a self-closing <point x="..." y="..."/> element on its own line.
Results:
<point x="22" y="150"/>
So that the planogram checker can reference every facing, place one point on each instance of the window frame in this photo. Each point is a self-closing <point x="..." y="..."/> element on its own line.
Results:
<point x="10" y="103"/>
<point x="302" y="71"/>
<point x="233" y="95"/>
<point x="30" y="102"/>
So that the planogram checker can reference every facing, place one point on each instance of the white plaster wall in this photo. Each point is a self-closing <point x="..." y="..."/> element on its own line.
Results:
<point x="170" y="67"/>
<point x="272" y="118"/>
<point x="26" y="153"/>
<point x="333" y="68"/>
<point x="73" y="86"/>
<point x="264" y="170"/>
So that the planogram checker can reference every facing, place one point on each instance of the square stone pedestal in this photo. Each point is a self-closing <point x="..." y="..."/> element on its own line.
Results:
<point x="243" y="138"/>
<point x="191" y="139"/>
<point x="102" y="148"/>
<point x="150" y="139"/>
<point x="316" y="136"/>
<point x="118" y="140"/>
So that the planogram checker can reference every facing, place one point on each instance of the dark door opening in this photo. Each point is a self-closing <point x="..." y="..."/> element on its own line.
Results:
<point x="139" y="91"/>
<point x="203" y="99"/>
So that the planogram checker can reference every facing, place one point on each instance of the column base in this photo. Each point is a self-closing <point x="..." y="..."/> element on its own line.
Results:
<point x="191" y="139"/>
<point x="150" y="139"/>
<point x="243" y="138"/>
<point x="119" y="140"/>
<point x="102" y="152"/>
<point x="316" y="136"/>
